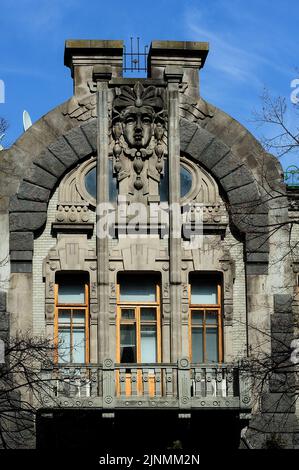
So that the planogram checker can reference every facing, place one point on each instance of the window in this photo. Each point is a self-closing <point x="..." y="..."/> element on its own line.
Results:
<point x="205" y="318"/>
<point x="90" y="182"/>
<point x="71" y="324"/>
<point x="138" y="319"/>
<point x="185" y="181"/>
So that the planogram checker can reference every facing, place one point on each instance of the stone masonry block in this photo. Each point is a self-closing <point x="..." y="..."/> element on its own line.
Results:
<point x="212" y="154"/>
<point x="33" y="192"/>
<point x="23" y="221"/>
<point x="187" y="131"/>
<point x="237" y="178"/>
<point x="2" y="301"/>
<point x="49" y="162"/>
<point x="282" y="303"/>
<point x="21" y="255"/>
<point x="248" y="195"/>
<point x="4" y="321"/>
<point x="22" y="205"/>
<point x="257" y="242"/>
<point x="277" y="403"/>
<point x="63" y="151"/>
<point x="41" y="177"/>
<point x="226" y="165"/>
<point x="77" y="140"/>
<point x="90" y="131"/>
<point x="200" y="140"/>
<point x="282" y="323"/>
<point x="20" y="241"/>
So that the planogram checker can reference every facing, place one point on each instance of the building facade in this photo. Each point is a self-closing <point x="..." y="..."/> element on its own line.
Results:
<point x="146" y="233"/>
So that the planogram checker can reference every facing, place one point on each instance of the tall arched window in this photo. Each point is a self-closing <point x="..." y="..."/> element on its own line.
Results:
<point x="205" y="320"/>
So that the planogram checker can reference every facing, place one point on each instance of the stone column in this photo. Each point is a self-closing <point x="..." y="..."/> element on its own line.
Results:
<point x="173" y="75"/>
<point x="102" y="75"/>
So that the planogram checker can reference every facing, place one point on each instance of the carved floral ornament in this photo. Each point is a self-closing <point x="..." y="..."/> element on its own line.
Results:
<point x="138" y="128"/>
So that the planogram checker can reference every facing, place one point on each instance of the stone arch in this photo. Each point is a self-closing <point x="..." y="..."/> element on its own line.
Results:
<point x="248" y="210"/>
<point x="28" y="208"/>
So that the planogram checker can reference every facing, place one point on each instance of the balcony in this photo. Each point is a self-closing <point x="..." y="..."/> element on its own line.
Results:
<point x="174" y="386"/>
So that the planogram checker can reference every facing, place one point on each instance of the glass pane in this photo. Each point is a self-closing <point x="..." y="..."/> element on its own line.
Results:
<point x="78" y="317"/>
<point x="197" y="317"/>
<point x="203" y="291"/>
<point x="137" y="289"/>
<point x="186" y="181"/>
<point x="79" y="345"/>
<point x="64" y="345"/>
<point x="197" y="345"/>
<point x="185" y="178"/>
<point x="211" y="317"/>
<point x="71" y="292"/>
<point x="211" y="345"/>
<point x="112" y="183"/>
<point x="64" y="316"/>
<point x="148" y="314"/>
<point x="128" y="343"/>
<point x="91" y="182"/>
<point x="128" y="313"/>
<point x="164" y="184"/>
<point x="148" y="343"/>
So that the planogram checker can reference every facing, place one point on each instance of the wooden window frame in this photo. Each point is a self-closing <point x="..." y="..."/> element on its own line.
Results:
<point x="72" y="307"/>
<point x="137" y="321"/>
<point x="219" y="324"/>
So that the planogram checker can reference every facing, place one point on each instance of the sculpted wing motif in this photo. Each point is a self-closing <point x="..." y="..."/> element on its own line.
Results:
<point x="83" y="109"/>
<point x="194" y="110"/>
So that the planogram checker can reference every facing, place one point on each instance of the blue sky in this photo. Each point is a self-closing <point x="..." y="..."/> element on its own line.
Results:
<point x="253" y="44"/>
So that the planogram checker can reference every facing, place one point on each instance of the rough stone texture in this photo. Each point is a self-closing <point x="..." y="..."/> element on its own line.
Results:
<point x="2" y="301"/>
<point x="37" y="175"/>
<point x="237" y="178"/>
<point x="33" y="192"/>
<point x="23" y="205"/>
<point x="186" y="134"/>
<point x="21" y="255"/>
<point x="23" y="221"/>
<point x="213" y="153"/>
<point x="277" y="403"/>
<point x="50" y="162"/>
<point x="283" y="303"/>
<point x="200" y="140"/>
<point x="90" y="131"/>
<point x="64" y="152"/>
<point x="227" y="165"/>
<point x="21" y="241"/>
<point x="78" y="142"/>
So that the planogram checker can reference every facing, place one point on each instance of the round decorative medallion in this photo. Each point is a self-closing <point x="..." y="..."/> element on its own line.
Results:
<point x="246" y="400"/>
<point x="184" y="362"/>
<point x="108" y="363"/>
<point x="108" y="399"/>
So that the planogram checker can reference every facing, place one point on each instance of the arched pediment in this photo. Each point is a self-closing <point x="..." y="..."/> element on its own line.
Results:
<point x="28" y="209"/>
